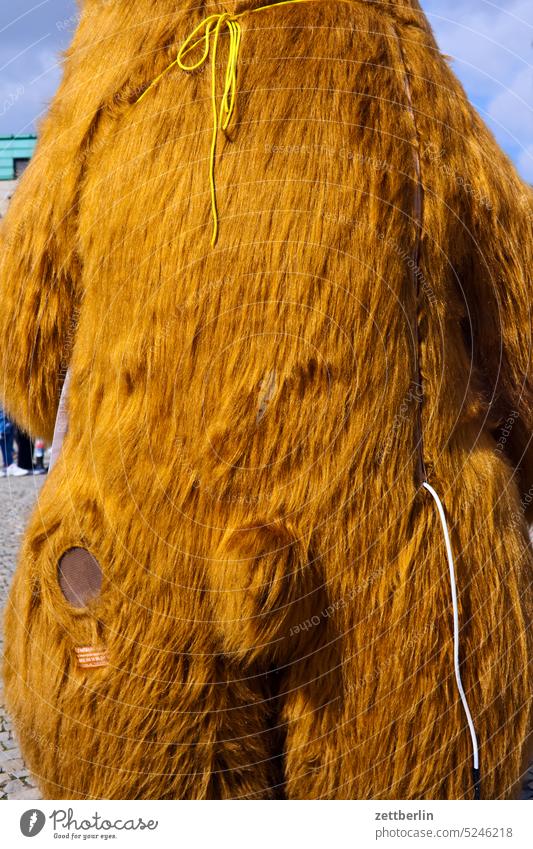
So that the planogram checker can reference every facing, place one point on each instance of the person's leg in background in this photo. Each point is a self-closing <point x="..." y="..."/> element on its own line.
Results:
<point x="6" y="439"/>
<point x="11" y="469"/>
<point x="25" y="450"/>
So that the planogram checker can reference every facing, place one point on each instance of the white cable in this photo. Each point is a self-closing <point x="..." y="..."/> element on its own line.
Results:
<point x="61" y="424"/>
<point x="475" y="747"/>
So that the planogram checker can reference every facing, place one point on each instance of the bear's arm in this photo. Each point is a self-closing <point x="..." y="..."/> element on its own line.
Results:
<point x="502" y="278"/>
<point x="481" y="214"/>
<point x="500" y="283"/>
<point x="39" y="261"/>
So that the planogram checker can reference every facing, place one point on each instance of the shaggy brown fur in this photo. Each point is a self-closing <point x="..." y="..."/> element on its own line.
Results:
<point x="247" y="423"/>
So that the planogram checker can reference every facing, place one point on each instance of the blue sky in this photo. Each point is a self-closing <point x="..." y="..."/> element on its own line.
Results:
<point x="491" y="44"/>
<point x="492" y="47"/>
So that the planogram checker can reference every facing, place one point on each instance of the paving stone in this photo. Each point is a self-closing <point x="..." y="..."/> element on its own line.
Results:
<point x="14" y="766"/>
<point x="14" y="786"/>
<point x="27" y="793"/>
<point x="17" y="498"/>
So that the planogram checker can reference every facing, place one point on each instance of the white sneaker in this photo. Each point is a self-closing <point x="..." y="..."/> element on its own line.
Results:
<point x="14" y="471"/>
<point x="3" y="473"/>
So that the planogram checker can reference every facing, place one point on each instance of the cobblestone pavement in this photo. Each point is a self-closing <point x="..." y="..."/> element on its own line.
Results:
<point x="17" y="497"/>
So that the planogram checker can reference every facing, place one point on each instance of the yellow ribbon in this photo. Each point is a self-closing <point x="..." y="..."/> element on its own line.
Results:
<point x="211" y="28"/>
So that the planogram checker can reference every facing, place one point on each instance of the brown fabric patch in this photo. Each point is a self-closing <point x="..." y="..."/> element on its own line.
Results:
<point x="80" y="576"/>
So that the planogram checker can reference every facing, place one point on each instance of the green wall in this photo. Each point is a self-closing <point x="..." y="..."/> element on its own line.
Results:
<point x="11" y="148"/>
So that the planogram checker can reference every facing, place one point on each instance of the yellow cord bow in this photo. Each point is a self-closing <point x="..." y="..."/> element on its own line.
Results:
<point x="211" y="27"/>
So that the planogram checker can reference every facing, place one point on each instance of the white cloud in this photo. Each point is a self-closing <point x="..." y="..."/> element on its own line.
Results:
<point x="25" y="91"/>
<point x="491" y="43"/>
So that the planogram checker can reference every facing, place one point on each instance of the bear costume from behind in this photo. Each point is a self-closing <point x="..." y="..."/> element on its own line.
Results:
<point x="287" y="271"/>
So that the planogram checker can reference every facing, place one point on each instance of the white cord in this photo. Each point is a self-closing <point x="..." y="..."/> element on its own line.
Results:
<point x="475" y="747"/>
<point x="61" y="424"/>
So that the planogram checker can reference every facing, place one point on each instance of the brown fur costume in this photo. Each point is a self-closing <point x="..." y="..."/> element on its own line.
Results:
<point x="249" y="423"/>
